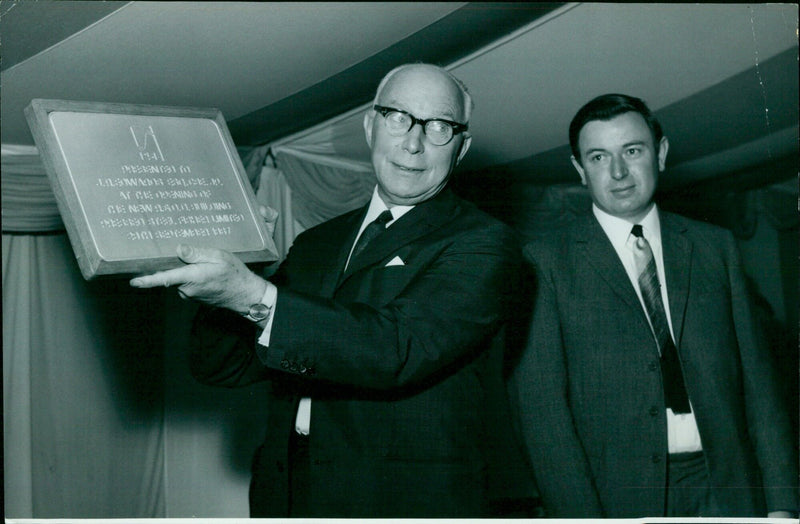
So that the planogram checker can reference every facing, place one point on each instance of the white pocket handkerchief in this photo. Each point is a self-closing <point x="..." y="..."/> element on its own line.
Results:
<point x="396" y="261"/>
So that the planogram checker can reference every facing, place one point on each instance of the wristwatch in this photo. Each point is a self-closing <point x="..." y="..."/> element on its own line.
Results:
<point x="259" y="312"/>
<point x="262" y="310"/>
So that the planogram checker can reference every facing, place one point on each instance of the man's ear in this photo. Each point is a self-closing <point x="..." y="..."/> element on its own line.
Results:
<point x="663" y="148"/>
<point x="369" y="117"/>
<point x="464" y="147"/>
<point x="579" y="169"/>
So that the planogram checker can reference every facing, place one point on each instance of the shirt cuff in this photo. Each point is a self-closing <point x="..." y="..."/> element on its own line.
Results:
<point x="270" y="299"/>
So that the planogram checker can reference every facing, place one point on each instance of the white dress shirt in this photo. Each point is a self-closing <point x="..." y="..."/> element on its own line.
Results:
<point x="682" y="433"/>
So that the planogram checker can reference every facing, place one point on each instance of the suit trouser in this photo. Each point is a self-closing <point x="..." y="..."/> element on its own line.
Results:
<point x="688" y="487"/>
<point x="299" y="475"/>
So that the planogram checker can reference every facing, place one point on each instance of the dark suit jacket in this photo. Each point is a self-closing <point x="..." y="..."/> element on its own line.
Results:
<point x="394" y="358"/>
<point x="589" y="388"/>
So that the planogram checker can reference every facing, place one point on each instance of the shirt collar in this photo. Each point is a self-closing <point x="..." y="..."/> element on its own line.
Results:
<point x="378" y="206"/>
<point x="618" y="229"/>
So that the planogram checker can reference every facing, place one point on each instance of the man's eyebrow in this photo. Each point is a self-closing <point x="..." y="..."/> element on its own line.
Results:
<point x="452" y="113"/>
<point x="634" y="143"/>
<point x="595" y="150"/>
<point x="625" y="145"/>
<point x="445" y="113"/>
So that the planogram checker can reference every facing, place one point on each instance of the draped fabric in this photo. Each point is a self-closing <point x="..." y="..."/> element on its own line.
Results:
<point x="252" y="160"/>
<point x="81" y="409"/>
<point x="324" y="187"/>
<point x="275" y="193"/>
<point x="28" y="203"/>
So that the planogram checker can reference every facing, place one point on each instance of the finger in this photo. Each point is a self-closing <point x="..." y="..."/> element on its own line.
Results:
<point x="163" y="278"/>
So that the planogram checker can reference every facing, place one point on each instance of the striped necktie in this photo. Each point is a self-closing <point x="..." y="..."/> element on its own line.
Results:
<point x="372" y="230"/>
<point x="674" y="387"/>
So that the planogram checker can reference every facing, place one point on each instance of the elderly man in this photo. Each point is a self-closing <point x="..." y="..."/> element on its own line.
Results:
<point x="377" y="355"/>
<point x="646" y="389"/>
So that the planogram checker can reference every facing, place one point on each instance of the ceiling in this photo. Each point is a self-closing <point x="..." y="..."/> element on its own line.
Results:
<point x="723" y="78"/>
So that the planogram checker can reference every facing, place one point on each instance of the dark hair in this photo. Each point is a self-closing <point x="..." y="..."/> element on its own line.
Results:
<point x="606" y="107"/>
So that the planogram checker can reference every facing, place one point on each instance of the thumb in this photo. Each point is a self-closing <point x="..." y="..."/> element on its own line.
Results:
<point x="200" y="255"/>
<point x="268" y="214"/>
<point x="188" y="253"/>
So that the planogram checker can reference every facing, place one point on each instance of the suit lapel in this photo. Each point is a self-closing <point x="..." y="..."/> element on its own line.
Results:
<point x="420" y="221"/>
<point x="677" y="253"/>
<point x="347" y="232"/>
<point x="601" y="256"/>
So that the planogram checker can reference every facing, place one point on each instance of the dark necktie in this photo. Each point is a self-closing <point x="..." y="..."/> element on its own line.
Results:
<point x="373" y="229"/>
<point x="674" y="388"/>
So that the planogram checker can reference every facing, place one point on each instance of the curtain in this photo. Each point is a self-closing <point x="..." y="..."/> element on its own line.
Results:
<point x="274" y="192"/>
<point x="323" y="186"/>
<point x="28" y="203"/>
<point x="253" y="159"/>
<point x="82" y="410"/>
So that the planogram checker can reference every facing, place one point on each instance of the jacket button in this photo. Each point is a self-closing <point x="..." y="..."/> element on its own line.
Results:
<point x="656" y="458"/>
<point x="653" y="366"/>
<point x="653" y="411"/>
<point x="285" y="364"/>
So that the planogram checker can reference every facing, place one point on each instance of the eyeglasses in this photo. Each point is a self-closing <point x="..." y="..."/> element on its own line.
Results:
<point x="439" y="131"/>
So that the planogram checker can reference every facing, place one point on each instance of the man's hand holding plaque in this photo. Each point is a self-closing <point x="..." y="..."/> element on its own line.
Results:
<point x="213" y="276"/>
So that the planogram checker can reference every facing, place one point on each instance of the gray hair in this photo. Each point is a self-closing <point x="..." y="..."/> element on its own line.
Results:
<point x="466" y="98"/>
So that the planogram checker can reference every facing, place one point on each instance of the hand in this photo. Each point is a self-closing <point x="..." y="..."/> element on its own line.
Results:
<point x="211" y="276"/>
<point x="270" y="216"/>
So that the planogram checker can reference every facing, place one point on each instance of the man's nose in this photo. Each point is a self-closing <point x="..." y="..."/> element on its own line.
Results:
<point x="412" y="141"/>
<point x="619" y="168"/>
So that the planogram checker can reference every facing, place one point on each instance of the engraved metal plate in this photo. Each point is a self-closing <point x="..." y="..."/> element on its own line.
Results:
<point x="132" y="182"/>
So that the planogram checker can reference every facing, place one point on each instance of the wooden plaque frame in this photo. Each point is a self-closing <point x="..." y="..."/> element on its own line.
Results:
<point x="134" y="181"/>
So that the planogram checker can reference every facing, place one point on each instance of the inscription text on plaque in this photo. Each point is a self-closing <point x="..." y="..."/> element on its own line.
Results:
<point x="133" y="182"/>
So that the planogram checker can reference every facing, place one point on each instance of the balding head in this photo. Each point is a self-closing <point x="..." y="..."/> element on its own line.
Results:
<point x="411" y="166"/>
<point x="467" y="104"/>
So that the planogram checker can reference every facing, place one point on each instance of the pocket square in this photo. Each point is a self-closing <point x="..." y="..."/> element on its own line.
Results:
<point x="396" y="261"/>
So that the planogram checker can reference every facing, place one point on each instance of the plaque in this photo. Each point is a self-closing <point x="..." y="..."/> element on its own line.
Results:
<point x="134" y="181"/>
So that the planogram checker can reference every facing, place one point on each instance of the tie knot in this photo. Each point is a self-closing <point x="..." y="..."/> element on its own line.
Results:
<point x="384" y="218"/>
<point x="637" y="231"/>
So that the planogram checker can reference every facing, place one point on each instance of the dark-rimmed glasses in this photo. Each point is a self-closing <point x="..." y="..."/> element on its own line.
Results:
<point x="438" y="130"/>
